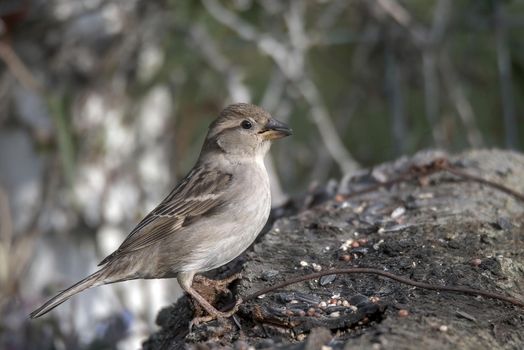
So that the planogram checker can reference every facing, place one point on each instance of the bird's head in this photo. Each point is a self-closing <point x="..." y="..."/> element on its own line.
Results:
<point x="244" y="129"/>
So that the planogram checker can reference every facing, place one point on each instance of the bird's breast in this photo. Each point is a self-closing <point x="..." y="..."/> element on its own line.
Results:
<point x="253" y="196"/>
<point x="236" y="226"/>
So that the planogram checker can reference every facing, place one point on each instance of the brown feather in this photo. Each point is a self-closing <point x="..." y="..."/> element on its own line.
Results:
<point x="199" y="193"/>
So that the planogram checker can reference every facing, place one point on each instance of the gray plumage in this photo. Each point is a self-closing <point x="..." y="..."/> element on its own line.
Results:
<point x="210" y="217"/>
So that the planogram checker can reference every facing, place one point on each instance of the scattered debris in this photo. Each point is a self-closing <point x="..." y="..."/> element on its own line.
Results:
<point x="398" y="212"/>
<point x="325" y="280"/>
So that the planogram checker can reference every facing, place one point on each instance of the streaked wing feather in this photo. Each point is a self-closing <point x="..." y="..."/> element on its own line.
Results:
<point x="198" y="193"/>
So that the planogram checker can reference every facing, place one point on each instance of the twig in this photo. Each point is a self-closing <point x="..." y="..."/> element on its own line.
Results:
<point x="435" y="166"/>
<point x="365" y="270"/>
<point x="478" y="179"/>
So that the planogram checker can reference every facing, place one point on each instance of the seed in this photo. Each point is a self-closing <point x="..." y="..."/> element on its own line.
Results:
<point x="476" y="262"/>
<point x="398" y="212"/>
<point x="363" y="241"/>
<point x="403" y="313"/>
<point x="345" y="257"/>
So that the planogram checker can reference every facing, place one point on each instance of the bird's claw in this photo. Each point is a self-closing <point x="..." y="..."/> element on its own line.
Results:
<point x="215" y="315"/>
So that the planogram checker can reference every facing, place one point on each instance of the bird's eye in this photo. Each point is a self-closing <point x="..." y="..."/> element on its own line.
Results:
<point x="246" y="124"/>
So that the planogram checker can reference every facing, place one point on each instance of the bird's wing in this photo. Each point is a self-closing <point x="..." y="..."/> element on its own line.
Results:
<point x="199" y="193"/>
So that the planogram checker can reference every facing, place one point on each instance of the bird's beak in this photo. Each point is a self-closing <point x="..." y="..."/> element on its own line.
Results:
<point x="275" y="129"/>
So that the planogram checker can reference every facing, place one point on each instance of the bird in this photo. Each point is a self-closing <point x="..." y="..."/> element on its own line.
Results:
<point x="211" y="216"/>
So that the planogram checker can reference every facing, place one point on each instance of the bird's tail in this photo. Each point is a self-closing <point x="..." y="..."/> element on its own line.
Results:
<point x="90" y="281"/>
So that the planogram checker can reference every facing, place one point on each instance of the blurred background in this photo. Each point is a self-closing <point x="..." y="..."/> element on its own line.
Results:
<point x="104" y="105"/>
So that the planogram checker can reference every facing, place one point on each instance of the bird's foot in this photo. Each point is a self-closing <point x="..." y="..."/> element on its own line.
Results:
<point x="214" y="314"/>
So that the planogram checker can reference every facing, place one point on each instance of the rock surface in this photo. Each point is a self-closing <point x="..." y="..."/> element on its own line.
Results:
<point x="439" y="229"/>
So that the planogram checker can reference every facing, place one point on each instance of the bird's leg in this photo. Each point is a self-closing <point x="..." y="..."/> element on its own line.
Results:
<point x="185" y="280"/>
<point x="218" y="285"/>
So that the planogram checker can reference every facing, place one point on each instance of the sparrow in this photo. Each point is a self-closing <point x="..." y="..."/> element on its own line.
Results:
<point x="208" y="219"/>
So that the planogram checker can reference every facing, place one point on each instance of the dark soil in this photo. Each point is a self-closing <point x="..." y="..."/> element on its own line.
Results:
<point x="439" y="229"/>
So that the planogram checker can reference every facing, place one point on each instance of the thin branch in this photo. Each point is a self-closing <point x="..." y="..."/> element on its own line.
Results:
<point x="483" y="181"/>
<point x="435" y="166"/>
<point x="404" y="280"/>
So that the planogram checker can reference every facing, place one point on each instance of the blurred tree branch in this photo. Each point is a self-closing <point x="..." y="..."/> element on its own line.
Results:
<point x="462" y="105"/>
<point x="505" y="74"/>
<point x="291" y="62"/>
<point x="17" y="67"/>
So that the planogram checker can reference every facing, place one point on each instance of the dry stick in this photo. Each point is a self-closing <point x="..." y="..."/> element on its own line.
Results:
<point x="365" y="270"/>
<point x="435" y="167"/>
<point x="478" y="179"/>
<point x="410" y="175"/>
